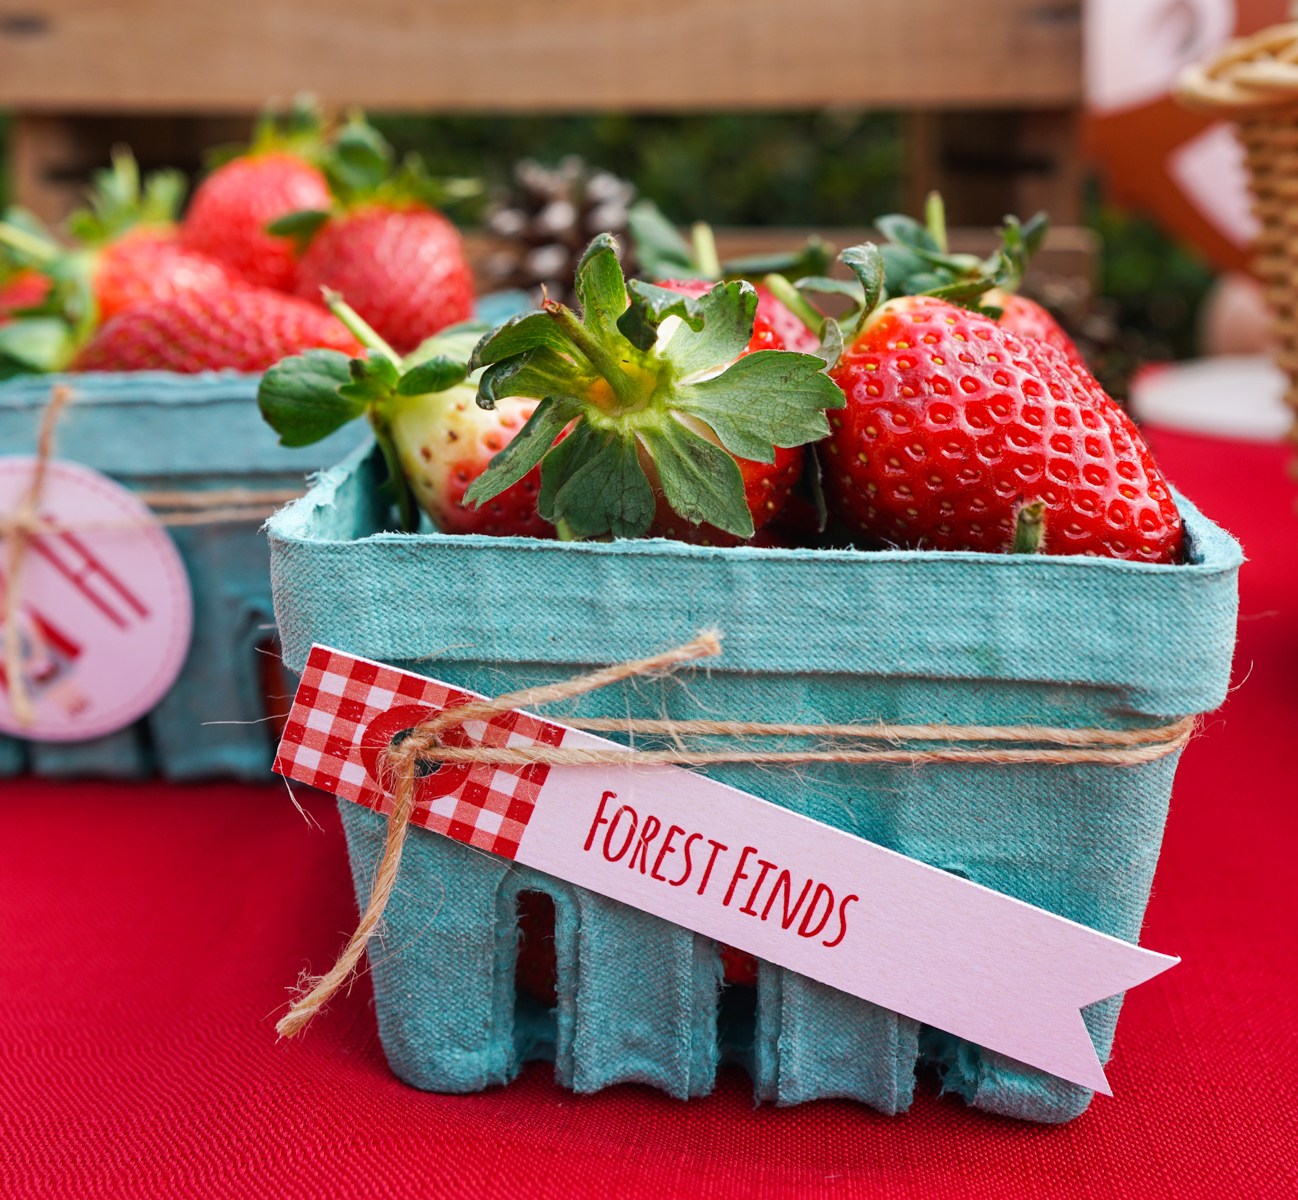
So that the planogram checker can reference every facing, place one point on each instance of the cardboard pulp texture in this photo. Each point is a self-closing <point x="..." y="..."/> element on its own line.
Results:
<point x="809" y="636"/>
<point x="159" y="431"/>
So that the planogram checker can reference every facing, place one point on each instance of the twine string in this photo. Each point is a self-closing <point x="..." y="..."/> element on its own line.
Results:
<point x="25" y="523"/>
<point x="17" y="532"/>
<point x="405" y="758"/>
<point x="1114" y="747"/>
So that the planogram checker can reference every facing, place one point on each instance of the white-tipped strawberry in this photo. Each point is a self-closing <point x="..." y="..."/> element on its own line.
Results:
<point x="435" y="439"/>
<point x="445" y="441"/>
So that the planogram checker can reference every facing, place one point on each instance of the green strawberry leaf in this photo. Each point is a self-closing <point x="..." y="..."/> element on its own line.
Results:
<point x="701" y="481"/>
<point x="1034" y="234"/>
<point x="537" y="374"/>
<point x="300" y="397"/>
<point x="526" y="331"/>
<point x="830" y="349"/>
<point x="728" y="311"/>
<point x="767" y="399"/>
<point x="454" y="342"/>
<point x="372" y="381"/>
<point x="300" y="226"/>
<point x="659" y="248"/>
<point x="929" y="283"/>
<point x="908" y="232"/>
<point x="867" y="263"/>
<point x="963" y="290"/>
<point x="831" y="287"/>
<point x="360" y="158"/>
<point x="900" y="263"/>
<point x="558" y="466"/>
<point x="608" y="492"/>
<point x="37" y="343"/>
<point x="600" y="287"/>
<point x="431" y="375"/>
<point x="811" y="258"/>
<point x="649" y="307"/>
<point x="526" y="449"/>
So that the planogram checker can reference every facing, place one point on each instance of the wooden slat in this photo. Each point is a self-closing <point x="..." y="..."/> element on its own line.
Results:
<point x="229" y="55"/>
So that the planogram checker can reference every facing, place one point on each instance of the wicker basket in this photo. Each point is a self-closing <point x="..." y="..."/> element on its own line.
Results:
<point x="1254" y="82"/>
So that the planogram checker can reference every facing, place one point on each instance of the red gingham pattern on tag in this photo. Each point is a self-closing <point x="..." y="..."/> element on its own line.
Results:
<point x="347" y="710"/>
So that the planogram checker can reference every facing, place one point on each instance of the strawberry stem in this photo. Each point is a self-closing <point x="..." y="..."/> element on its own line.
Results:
<point x="706" y="259"/>
<point x="358" y="326"/>
<point x="629" y="390"/>
<point x="1029" y="529"/>
<point x="796" y="303"/>
<point x="37" y="248"/>
<point x="935" y="218"/>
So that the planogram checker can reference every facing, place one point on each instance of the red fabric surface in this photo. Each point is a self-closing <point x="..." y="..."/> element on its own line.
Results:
<point x="150" y="933"/>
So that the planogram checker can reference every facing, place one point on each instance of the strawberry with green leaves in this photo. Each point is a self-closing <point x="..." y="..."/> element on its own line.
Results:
<point x="660" y="403"/>
<point x="399" y="262"/>
<point x="435" y="439"/>
<point x="231" y="209"/>
<point x="917" y="261"/>
<point x="960" y="435"/>
<point x="126" y="253"/>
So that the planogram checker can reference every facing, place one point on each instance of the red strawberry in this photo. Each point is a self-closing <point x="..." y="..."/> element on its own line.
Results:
<point x="1029" y="319"/>
<point x="953" y="423"/>
<point x="126" y="249"/>
<point x="767" y="486"/>
<point x="240" y="327"/>
<point x="149" y="263"/>
<point x="228" y="215"/>
<point x="402" y="268"/>
<point x="26" y="289"/>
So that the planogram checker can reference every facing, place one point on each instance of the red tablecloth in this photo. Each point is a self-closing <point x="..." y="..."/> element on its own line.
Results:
<point x="149" y="934"/>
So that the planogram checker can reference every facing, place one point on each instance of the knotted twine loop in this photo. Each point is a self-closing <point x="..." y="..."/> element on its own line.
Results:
<point x="1115" y="747"/>
<point x="405" y="759"/>
<point x="1254" y="81"/>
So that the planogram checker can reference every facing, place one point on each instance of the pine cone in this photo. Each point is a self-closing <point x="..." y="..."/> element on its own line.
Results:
<point x="543" y="227"/>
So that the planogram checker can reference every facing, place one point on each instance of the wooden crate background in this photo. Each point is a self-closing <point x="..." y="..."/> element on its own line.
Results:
<point x="991" y="88"/>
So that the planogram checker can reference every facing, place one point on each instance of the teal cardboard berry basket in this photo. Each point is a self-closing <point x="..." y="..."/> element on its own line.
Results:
<point x="165" y="433"/>
<point x="809" y="637"/>
<point x="159" y="432"/>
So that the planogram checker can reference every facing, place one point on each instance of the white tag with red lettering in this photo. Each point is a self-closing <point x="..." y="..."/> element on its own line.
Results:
<point x="729" y="865"/>
<point x="104" y="606"/>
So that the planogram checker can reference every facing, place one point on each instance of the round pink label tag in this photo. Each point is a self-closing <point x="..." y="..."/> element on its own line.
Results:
<point x="104" y="612"/>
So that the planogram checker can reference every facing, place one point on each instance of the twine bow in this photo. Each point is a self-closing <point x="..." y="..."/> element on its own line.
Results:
<point x="1113" y="747"/>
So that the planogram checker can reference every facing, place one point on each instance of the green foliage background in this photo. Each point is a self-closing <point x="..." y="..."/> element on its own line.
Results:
<point x="823" y="168"/>
<point x="832" y="167"/>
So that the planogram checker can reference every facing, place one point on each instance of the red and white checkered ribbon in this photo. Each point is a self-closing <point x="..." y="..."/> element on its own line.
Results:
<point x="346" y="712"/>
